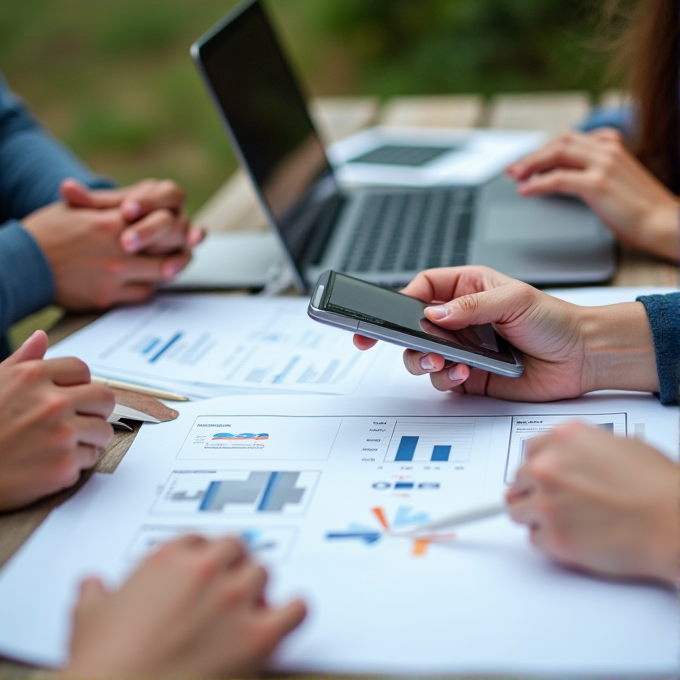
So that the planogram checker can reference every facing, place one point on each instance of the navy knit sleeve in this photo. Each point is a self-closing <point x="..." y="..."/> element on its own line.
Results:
<point x="32" y="163"/>
<point x="664" y="318"/>
<point x="621" y="119"/>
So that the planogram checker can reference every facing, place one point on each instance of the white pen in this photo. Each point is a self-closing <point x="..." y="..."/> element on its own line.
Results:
<point x="458" y="518"/>
<point x="139" y="389"/>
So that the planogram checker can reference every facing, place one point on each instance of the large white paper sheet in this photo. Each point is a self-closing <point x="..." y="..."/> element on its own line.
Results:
<point x="316" y="486"/>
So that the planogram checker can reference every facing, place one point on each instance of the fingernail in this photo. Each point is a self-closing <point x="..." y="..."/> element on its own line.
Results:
<point x="131" y="242"/>
<point x="171" y="270"/>
<point x="427" y="364"/>
<point x="439" y="312"/>
<point x="29" y="338"/>
<point x="133" y="210"/>
<point x="456" y="373"/>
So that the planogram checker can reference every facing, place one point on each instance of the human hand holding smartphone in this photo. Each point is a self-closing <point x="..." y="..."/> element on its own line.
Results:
<point x="375" y="312"/>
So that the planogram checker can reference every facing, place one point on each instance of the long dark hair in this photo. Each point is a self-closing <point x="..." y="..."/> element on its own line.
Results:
<point x="647" y="55"/>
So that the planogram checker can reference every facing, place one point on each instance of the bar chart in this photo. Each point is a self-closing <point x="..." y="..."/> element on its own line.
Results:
<point x="237" y="492"/>
<point x="431" y="442"/>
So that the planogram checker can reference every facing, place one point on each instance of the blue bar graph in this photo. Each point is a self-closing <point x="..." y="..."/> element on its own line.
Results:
<point x="441" y="454"/>
<point x="150" y="347"/>
<point x="165" y="348"/>
<point x="407" y="448"/>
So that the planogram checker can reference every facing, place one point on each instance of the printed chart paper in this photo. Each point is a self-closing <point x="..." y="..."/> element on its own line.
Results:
<point x="323" y="490"/>
<point x="201" y="343"/>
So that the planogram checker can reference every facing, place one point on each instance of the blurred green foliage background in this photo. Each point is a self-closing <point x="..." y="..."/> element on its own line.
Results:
<point x="113" y="78"/>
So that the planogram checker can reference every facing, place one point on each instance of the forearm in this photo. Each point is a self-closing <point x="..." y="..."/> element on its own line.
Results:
<point x="661" y="232"/>
<point x="619" y="349"/>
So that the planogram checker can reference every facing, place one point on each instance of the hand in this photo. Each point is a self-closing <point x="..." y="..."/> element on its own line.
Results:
<point x="90" y="269"/>
<point x="194" y="609"/>
<point x="153" y="210"/>
<point x="600" y="170"/>
<point x="600" y="502"/>
<point x="52" y="423"/>
<point x="567" y="350"/>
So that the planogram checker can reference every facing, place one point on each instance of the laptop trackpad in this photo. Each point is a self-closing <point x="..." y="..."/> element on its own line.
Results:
<point x="539" y="220"/>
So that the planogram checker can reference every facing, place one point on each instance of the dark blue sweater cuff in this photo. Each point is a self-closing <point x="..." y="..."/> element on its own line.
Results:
<point x="26" y="280"/>
<point x="664" y="318"/>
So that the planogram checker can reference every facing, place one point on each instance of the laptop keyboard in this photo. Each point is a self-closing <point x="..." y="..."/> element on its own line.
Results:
<point x="412" y="231"/>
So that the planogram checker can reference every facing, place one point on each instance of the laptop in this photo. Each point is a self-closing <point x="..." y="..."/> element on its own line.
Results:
<point x="383" y="235"/>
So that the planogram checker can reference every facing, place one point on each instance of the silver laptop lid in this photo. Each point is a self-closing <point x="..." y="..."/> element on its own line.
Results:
<point x="264" y="112"/>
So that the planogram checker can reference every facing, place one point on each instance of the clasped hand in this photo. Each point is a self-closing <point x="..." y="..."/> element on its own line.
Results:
<point x="107" y="247"/>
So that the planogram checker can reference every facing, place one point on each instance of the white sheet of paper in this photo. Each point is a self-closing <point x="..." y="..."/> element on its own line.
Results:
<point x="300" y="478"/>
<point x="209" y="343"/>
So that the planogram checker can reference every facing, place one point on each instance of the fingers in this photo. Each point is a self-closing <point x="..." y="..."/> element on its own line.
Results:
<point x="569" y="182"/>
<point x="151" y="195"/>
<point x="569" y="150"/>
<point x="92" y="590"/>
<point x="84" y="457"/>
<point x="161" y="231"/>
<point x="135" y="201"/>
<point x="285" y="620"/>
<point x="436" y="285"/>
<point x="67" y="371"/>
<point x="363" y="343"/>
<point x="418" y="363"/>
<point x="195" y="236"/>
<point x="228" y="552"/>
<point x="174" y="264"/>
<point x="92" y="400"/>
<point x="78" y="195"/>
<point x="496" y="305"/>
<point x="151" y="269"/>
<point x="33" y="349"/>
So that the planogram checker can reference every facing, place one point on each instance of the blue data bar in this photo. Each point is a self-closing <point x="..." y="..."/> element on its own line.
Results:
<point x="165" y="348"/>
<point x="407" y="448"/>
<point x="440" y="454"/>
<point x="272" y="483"/>
<point x="151" y="346"/>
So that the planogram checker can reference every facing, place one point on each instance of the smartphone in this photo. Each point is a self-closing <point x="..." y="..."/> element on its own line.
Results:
<point x="361" y="307"/>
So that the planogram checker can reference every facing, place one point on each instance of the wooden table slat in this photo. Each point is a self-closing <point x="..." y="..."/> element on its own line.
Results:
<point x="462" y="111"/>
<point x="550" y="112"/>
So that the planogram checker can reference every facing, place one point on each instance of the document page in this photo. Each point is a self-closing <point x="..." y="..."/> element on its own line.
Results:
<point x="324" y="490"/>
<point x="192" y="342"/>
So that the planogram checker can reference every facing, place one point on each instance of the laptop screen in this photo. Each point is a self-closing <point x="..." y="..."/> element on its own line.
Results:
<point x="268" y="121"/>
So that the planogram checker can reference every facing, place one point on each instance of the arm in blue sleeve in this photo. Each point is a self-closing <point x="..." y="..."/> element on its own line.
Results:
<point x="26" y="281"/>
<point x="32" y="163"/>
<point x="664" y="318"/>
<point x="621" y="119"/>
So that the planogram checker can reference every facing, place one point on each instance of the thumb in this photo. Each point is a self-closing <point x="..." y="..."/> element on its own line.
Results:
<point x="77" y="195"/>
<point x="92" y="590"/>
<point x="33" y="349"/>
<point x="498" y="305"/>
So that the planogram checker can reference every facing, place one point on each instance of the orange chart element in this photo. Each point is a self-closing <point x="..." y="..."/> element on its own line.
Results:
<point x="420" y="543"/>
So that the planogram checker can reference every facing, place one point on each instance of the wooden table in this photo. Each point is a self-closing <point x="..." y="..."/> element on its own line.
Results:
<point x="234" y="207"/>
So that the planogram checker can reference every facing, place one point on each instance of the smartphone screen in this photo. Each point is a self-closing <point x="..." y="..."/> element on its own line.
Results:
<point x="387" y="308"/>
